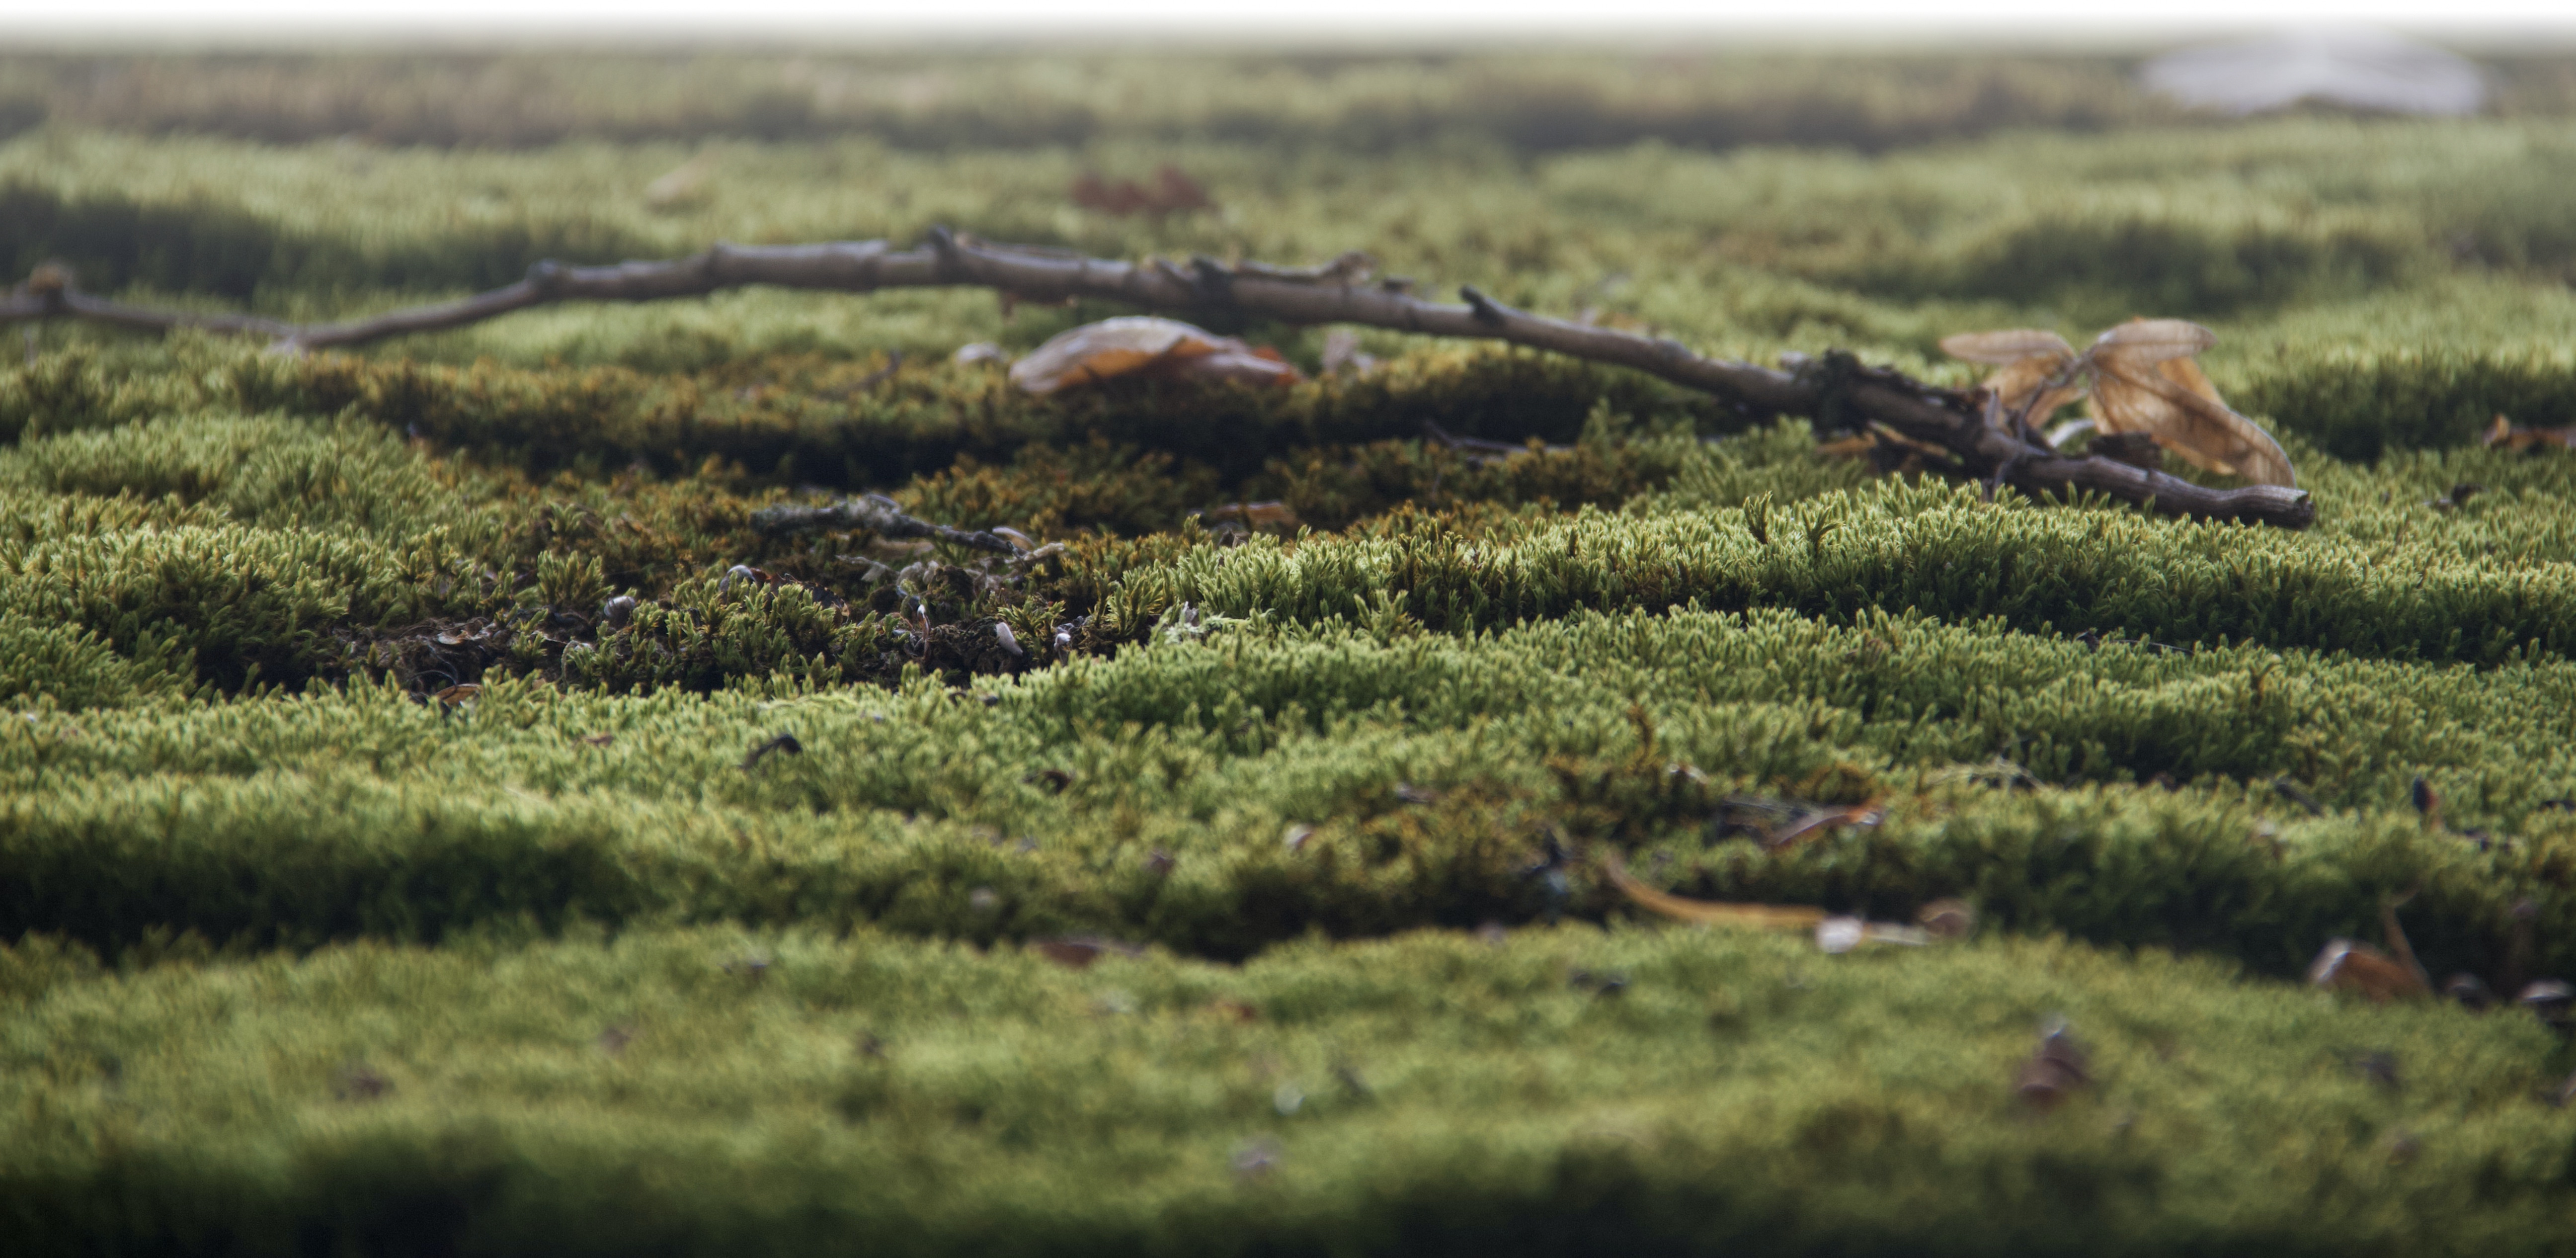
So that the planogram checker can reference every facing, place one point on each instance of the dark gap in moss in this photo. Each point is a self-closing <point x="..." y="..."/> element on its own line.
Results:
<point x="112" y="242"/>
<point x="2113" y="268"/>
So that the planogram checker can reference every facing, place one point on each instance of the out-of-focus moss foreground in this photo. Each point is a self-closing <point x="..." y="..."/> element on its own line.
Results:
<point x="717" y="1091"/>
<point x="312" y="961"/>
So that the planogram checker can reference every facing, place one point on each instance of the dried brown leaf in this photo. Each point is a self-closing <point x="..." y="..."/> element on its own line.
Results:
<point x="1947" y="918"/>
<point x="2187" y="373"/>
<point x="2503" y="433"/>
<point x="2152" y="341"/>
<point x="2040" y="370"/>
<point x="2007" y="347"/>
<point x="1258" y="366"/>
<point x="2035" y="388"/>
<point x="2207" y="435"/>
<point x="1135" y="343"/>
<point x="2146" y="382"/>
<point x="2347" y="966"/>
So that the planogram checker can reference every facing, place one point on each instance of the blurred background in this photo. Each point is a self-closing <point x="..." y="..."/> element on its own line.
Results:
<point x="1850" y="174"/>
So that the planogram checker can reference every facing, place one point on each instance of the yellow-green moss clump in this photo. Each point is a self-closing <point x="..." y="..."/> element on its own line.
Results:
<point x="436" y="817"/>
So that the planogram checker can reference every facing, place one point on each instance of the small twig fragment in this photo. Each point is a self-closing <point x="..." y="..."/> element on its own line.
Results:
<point x="1481" y="445"/>
<point x="2292" y="792"/>
<point x="783" y="742"/>
<point x="2428" y="805"/>
<point x="1819" y="821"/>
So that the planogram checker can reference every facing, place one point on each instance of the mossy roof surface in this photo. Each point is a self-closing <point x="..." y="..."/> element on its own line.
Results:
<point x="377" y="884"/>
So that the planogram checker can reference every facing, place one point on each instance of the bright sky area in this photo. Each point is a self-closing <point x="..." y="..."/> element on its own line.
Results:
<point x="161" y="20"/>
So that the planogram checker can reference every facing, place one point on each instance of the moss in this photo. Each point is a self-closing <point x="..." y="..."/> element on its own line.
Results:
<point x="1627" y="731"/>
<point x="2151" y="264"/>
<point x="357" y="701"/>
<point x="1898" y="545"/>
<point x="114" y="242"/>
<point x="1349" y="99"/>
<point x="2358" y="404"/>
<point x="711" y="1090"/>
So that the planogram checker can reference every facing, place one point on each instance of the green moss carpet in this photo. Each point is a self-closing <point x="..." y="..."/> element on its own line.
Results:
<point x="417" y="837"/>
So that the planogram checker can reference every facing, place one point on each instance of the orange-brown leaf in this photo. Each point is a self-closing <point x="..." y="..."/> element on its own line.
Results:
<point x="2187" y="373"/>
<point x="1710" y="913"/>
<point x="2344" y="965"/>
<point x="2038" y="373"/>
<point x="2148" y="383"/>
<point x="2512" y="438"/>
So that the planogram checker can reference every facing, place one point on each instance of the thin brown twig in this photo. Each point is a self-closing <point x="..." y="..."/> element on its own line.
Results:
<point x="1340" y="292"/>
<point x="1478" y="449"/>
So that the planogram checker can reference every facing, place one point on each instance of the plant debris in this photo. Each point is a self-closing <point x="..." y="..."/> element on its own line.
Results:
<point x="1146" y="345"/>
<point x="2144" y="379"/>
<point x="2549" y="999"/>
<point x="877" y="513"/>
<point x="2529" y="440"/>
<point x="1258" y="515"/>
<point x="1077" y="952"/>
<point x="1778" y="824"/>
<point x="782" y="742"/>
<point x="359" y="1082"/>
<point x="2469" y="991"/>
<point x="1835" y="933"/>
<point x="2349" y="966"/>
<point x="1172" y="192"/>
<point x="1708" y="913"/>
<point x="2056" y="1070"/>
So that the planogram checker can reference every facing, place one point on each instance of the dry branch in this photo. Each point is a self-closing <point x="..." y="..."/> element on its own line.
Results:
<point x="1834" y="390"/>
